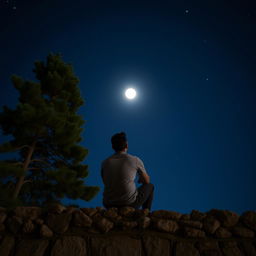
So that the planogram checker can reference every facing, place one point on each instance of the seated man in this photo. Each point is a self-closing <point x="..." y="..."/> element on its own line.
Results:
<point x="118" y="174"/>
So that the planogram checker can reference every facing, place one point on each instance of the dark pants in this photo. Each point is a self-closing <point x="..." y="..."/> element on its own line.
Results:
<point x="144" y="198"/>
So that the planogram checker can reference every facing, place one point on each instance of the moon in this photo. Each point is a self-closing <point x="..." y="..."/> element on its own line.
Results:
<point x="130" y="93"/>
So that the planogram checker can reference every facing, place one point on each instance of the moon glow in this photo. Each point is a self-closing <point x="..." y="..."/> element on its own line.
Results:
<point x="130" y="94"/>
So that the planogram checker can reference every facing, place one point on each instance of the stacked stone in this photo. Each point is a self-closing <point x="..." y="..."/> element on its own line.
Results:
<point x="212" y="233"/>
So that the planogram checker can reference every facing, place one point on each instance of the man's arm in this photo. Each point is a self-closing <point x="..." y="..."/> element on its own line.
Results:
<point x="143" y="176"/>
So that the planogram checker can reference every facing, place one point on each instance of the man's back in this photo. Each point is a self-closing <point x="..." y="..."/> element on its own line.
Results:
<point x="118" y="174"/>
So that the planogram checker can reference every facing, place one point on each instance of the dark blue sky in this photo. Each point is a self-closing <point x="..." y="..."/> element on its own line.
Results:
<point x="193" y="65"/>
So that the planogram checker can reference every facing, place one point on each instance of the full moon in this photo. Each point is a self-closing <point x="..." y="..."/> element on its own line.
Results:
<point x="130" y="93"/>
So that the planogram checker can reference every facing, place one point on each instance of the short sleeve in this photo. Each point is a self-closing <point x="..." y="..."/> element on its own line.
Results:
<point x="140" y="165"/>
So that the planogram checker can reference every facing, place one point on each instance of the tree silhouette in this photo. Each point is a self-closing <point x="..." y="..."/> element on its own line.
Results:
<point x="45" y="130"/>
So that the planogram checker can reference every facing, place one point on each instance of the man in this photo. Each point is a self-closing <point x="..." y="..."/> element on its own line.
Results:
<point x="118" y="174"/>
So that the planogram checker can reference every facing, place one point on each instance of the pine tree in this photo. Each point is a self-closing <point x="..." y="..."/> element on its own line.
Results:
<point x="45" y="130"/>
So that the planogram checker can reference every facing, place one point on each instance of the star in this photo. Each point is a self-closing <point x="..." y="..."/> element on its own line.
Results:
<point x="187" y="11"/>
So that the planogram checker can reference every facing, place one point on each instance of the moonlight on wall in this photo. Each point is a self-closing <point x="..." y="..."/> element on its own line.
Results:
<point x="130" y="94"/>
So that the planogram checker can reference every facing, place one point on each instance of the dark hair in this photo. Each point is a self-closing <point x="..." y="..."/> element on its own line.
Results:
<point x="119" y="141"/>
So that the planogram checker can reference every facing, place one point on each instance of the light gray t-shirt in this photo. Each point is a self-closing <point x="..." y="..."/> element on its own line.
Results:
<point x="118" y="174"/>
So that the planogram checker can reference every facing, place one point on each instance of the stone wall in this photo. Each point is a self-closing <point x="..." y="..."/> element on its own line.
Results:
<point x="61" y="231"/>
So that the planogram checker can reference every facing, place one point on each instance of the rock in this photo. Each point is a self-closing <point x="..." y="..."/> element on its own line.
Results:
<point x="139" y="213"/>
<point x="209" y="247"/>
<point x="144" y="222"/>
<point x="242" y="232"/>
<point x="45" y="231"/>
<point x="211" y="224"/>
<point x="25" y="212"/>
<point x="3" y="216"/>
<point x="69" y="245"/>
<point x="186" y="249"/>
<point x="80" y="219"/>
<point x="59" y="223"/>
<point x="7" y="246"/>
<point x="111" y="213"/>
<point x="32" y="247"/>
<point x="193" y="232"/>
<point x="227" y="218"/>
<point x="71" y="209"/>
<point x="56" y="208"/>
<point x="169" y="226"/>
<point x="89" y="211"/>
<point x="28" y="227"/>
<point x="249" y="219"/>
<point x="104" y="225"/>
<point x="191" y="223"/>
<point x="2" y="227"/>
<point x="39" y="221"/>
<point x="197" y="215"/>
<point x="116" y="246"/>
<point x="163" y="214"/>
<point x="14" y="224"/>
<point x="222" y="233"/>
<point x="127" y="211"/>
<point x="156" y="246"/>
<point x="127" y="225"/>
<point x="248" y="248"/>
<point x="230" y="248"/>
<point x="185" y="217"/>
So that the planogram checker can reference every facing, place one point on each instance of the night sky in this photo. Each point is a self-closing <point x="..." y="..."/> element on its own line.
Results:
<point x="193" y="65"/>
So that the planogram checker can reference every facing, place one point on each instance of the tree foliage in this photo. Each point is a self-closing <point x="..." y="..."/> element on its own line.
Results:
<point x="46" y="131"/>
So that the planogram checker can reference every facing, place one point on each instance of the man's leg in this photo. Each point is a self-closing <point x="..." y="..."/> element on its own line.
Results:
<point x="144" y="197"/>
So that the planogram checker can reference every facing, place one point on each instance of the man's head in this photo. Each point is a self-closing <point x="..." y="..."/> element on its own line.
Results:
<point x="119" y="142"/>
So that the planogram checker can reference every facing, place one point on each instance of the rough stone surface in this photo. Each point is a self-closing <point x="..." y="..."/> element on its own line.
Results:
<point x="248" y="248"/>
<point x="211" y="224"/>
<point x="222" y="233"/>
<point x="104" y="224"/>
<point x="166" y="214"/>
<point x="209" y="247"/>
<point x="28" y="227"/>
<point x="14" y="224"/>
<point x="141" y="213"/>
<point x="80" y="219"/>
<point x="193" y="232"/>
<point x="144" y="222"/>
<point x="156" y="246"/>
<point x="89" y="211"/>
<point x="39" y="221"/>
<point x="28" y="212"/>
<point x="111" y="213"/>
<point x="59" y="223"/>
<point x="127" y="211"/>
<point x="3" y="216"/>
<point x="191" y="223"/>
<point x="227" y="218"/>
<point x="45" y="231"/>
<point x="249" y="219"/>
<point x="242" y="232"/>
<point x="230" y="248"/>
<point x="116" y="246"/>
<point x="185" y="217"/>
<point x="69" y="245"/>
<point x="6" y="246"/>
<point x="31" y="247"/>
<point x="127" y="225"/>
<point x="56" y="208"/>
<point x="197" y="215"/>
<point x="169" y="226"/>
<point x="2" y="227"/>
<point x="185" y="249"/>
